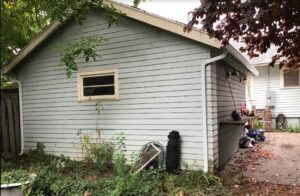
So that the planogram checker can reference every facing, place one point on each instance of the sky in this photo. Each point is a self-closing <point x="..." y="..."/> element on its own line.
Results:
<point x="173" y="9"/>
<point x="178" y="10"/>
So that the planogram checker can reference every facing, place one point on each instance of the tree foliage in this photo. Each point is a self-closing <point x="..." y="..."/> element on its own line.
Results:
<point x="85" y="47"/>
<point x="259" y="23"/>
<point x="21" y="20"/>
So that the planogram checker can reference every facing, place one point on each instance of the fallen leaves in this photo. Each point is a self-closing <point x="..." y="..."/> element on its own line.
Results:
<point x="264" y="154"/>
<point x="249" y="160"/>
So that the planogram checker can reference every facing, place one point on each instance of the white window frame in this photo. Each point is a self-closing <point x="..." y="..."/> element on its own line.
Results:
<point x="82" y="75"/>
<point x="282" y="79"/>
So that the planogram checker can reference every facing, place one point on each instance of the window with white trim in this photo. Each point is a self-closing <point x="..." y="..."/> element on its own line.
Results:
<point x="290" y="78"/>
<point x="98" y="85"/>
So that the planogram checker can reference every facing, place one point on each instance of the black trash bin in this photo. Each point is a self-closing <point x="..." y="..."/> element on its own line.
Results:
<point x="173" y="152"/>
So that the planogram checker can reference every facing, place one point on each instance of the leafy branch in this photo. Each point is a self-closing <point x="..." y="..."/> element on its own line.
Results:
<point x="136" y="3"/>
<point x="112" y="15"/>
<point x="85" y="47"/>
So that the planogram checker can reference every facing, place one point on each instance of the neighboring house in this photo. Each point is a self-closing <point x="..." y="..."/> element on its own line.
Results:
<point x="149" y="82"/>
<point x="278" y="89"/>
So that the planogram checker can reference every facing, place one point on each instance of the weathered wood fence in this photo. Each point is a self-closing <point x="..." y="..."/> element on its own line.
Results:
<point x="10" y="123"/>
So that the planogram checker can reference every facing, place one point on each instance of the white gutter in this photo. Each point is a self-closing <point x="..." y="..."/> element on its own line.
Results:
<point x="204" y="105"/>
<point x="21" y="113"/>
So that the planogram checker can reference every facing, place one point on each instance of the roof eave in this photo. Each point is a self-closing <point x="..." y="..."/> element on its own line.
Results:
<point x="166" y="24"/>
<point x="39" y="38"/>
<point x="234" y="52"/>
<point x="142" y="16"/>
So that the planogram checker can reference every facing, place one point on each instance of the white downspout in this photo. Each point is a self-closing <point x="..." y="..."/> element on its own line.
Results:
<point x="204" y="105"/>
<point x="21" y="114"/>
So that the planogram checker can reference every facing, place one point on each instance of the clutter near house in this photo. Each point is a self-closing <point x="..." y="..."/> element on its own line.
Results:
<point x="253" y="125"/>
<point x="252" y="136"/>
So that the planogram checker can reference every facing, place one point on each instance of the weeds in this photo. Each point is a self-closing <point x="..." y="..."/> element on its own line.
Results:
<point x="58" y="175"/>
<point x="294" y="128"/>
<point x="97" y="152"/>
<point x="15" y="176"/>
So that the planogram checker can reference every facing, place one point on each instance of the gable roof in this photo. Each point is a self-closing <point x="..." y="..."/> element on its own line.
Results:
<point x="145" y="17"/>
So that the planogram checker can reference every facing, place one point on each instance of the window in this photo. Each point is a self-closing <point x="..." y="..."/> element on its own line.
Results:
<point x="290" y="78"/>
<point x="98" y="85"/>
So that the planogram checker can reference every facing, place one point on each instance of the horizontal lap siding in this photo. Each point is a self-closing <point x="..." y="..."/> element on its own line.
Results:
<point x="227" y="135"/>
<point x="160" y="90"/>
<point x="225" y="101"/>
<point x="287" y="100"/>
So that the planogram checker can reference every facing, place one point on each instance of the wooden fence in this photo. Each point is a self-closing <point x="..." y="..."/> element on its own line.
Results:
<point x="10" y="123"/>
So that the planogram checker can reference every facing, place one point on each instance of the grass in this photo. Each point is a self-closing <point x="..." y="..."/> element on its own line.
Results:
<point x="294" y="128"/>
<point x="291" y="128"/>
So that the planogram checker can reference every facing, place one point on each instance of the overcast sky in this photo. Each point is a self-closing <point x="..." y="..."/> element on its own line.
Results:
<point x="172" y="9"/>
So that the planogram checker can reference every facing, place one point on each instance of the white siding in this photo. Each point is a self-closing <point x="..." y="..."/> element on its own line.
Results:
<point x="287" y="100"/>
<point x="225" y="136"/>
<point x="160" y="90"/>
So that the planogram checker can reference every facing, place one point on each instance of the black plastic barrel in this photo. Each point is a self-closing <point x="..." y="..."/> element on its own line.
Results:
<point x="173" y="152"/>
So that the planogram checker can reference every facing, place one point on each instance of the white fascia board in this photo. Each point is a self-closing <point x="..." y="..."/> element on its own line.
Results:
<point x="236" y="54"/>
<point x="164" y="23"/>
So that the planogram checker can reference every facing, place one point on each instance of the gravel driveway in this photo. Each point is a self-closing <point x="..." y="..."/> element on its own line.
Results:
<point x="283" y="166"/>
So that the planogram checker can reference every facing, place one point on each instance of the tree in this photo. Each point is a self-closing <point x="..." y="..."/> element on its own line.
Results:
<point x="21" y="20"/>
<point x="259" y="23"/>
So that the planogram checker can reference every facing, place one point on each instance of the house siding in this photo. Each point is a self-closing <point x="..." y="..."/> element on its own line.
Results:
<point x="226" y="136"/>
<point x="286" y="100"/>
<point x="159" y="87"/>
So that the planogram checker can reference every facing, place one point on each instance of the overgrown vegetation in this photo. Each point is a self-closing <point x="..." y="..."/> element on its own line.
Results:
<point x="62" y="176"/>
<point x="98" y="153"/>
<point x="294" y="128"/>
<point x="257" y="124"/>
<point x="16" y="176"/>
<point x="5" y="82"/>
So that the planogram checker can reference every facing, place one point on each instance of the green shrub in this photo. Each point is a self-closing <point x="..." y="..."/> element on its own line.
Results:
<point x="15" y="176"/>
<point x="257" y="124"/>
<point x="102" y="155"/>
<point x="98" y="153"/>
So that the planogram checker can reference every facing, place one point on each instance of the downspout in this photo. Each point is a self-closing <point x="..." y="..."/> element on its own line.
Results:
<point x="21" y="114"/>
<point x="204" y="64"/>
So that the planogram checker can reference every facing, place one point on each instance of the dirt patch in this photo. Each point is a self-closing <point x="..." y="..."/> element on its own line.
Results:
<point x="270" y="168"/>
<point x="283" y="167"/>
<point x="287" y="146"/>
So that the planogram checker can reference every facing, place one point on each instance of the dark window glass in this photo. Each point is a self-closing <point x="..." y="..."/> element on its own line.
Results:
<point x="291" y="78"/>
<point x="98" y="80"/>
<point x="98" y="91"/>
